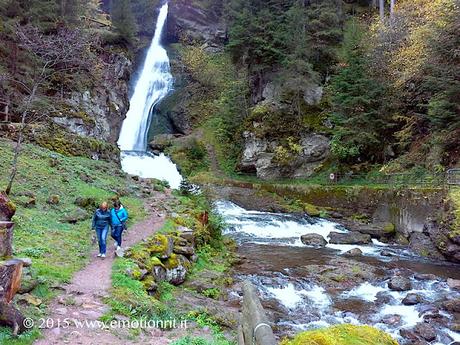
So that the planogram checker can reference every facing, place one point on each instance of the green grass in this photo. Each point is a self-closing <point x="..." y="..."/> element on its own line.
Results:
<point x="344" y="334"/>
<point x="128" y="296"/>
<point x="57" y="249"/>
<point x="454" y="195"/>
<point x="189" y="340"/>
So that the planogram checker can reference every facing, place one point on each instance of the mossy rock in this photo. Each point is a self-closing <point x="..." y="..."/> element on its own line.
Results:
<point x="172" y="262"/>
<point x="311" y="210"/>
<point x="345" y="334"/>
<point x="389" y="228"/>
<point x="161" y="246"/>
<point x="152" y="262"/>
<point x="149" y="284"/>
<point x="140" y="255"/>
<point x="400" y="239"/>
<point x="53" y="200"/>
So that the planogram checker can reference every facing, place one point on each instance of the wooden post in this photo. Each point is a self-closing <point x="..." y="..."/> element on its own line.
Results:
<point x="6" y="239"/>
<point x="10" y="279"/>
<point x="256" y="327"/>
<point x="10" y="282"/>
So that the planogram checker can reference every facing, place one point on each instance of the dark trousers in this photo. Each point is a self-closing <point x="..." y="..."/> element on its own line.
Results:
<point x="102" y="238"/>
<point x="117" y="231"/>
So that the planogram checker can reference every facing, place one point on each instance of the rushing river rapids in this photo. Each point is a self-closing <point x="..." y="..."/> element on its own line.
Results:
<point x="304" y="287"/>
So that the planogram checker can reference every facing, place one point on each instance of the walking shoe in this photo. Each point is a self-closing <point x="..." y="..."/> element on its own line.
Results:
<point x="99" y="255"/>
<point x="102" y="255"/>
<point x="118" y="247"/>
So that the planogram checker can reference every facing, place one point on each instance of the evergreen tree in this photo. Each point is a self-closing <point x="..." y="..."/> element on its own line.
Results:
<point x="123" y="19"/>
<point x="43" y="14"/>
<point x="357" y="98"/>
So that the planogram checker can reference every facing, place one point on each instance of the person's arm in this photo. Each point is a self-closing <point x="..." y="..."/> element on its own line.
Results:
<point x="110" y="218"/>
<point x="93" y="225"/>
<point x="124" y="215"/>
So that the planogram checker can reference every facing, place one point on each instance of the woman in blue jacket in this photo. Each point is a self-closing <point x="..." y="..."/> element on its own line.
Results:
<point x="119" y="216"/>
<point x="101" y="223"/>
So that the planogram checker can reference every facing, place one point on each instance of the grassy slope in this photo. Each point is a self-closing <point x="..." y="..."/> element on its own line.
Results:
<point x="57" y="249"/>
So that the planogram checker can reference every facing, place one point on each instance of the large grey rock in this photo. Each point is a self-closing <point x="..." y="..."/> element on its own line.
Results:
<point x="192" y="22"/>
<point x="375" y="230"/>
<point x="161" y="142"/>
<point x="412" y="299"/>
<point x="352" y="237"/>
<point x="426" y="331"/>
<point x="259" y="157"/>
<point x="313" y="240"/>
<point x="176" y="275"/>
<point x="421" y="244"/>
<point x="399" y="283"/>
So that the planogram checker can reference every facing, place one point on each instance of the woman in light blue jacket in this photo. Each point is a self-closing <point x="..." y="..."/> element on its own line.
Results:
<point x="119" y="216"/>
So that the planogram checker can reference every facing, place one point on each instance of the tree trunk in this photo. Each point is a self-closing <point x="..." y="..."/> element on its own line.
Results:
<point x="11" y="317"/>
<point x="10" y="279"/>
<point x="6" y="239"/>
<point x="17" y="149"/>
<point x="382" y="10"/>
<point x="10" y="282"/>
<point x="392" y="10"/>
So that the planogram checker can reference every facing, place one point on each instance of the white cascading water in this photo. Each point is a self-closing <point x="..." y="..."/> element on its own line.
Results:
<point x="154" y="83"/>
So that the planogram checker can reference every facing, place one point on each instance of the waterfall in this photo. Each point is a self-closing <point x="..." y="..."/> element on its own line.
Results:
<point x="154" y="83"/>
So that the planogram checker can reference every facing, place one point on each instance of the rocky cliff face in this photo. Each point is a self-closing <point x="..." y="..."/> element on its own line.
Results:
<point x="260" y="156"/>
<point x="196" y="22"/>
<point x="98" y="112"/>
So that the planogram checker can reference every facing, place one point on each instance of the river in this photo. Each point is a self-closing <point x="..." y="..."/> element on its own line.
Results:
<point x="303" y="287"/>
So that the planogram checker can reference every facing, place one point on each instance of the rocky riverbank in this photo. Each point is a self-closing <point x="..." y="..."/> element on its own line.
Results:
<point x="421" y="219"/>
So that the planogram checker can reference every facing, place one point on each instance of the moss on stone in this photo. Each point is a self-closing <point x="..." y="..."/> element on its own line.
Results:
<point x="345" y="334"/>
<point x="389" y="228"/>
<point x="311" y="210"/>
<point x="172" y="262"/>
<point x="152" y="262"/>
<point x="158" y="244"/>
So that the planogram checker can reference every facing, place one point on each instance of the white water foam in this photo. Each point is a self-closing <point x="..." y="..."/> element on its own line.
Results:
<point x="290" y="297"/>
<point x="318" y="296"/>
<point x="365" y="291"/>
<point x="287" y="295"/>
<point x="146" y="165"/>
<point x="273" y="225"/>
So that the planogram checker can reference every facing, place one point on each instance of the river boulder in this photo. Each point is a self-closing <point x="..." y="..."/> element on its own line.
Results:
<point x="412" y="299"/>
<point x="351" y="237"/>
<point x="354" y="252"/>
<point x="399" y="283"/>
<point x="385" y="230"/>
<point x="426" y="331"/>
<point x="315" y="240"/>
